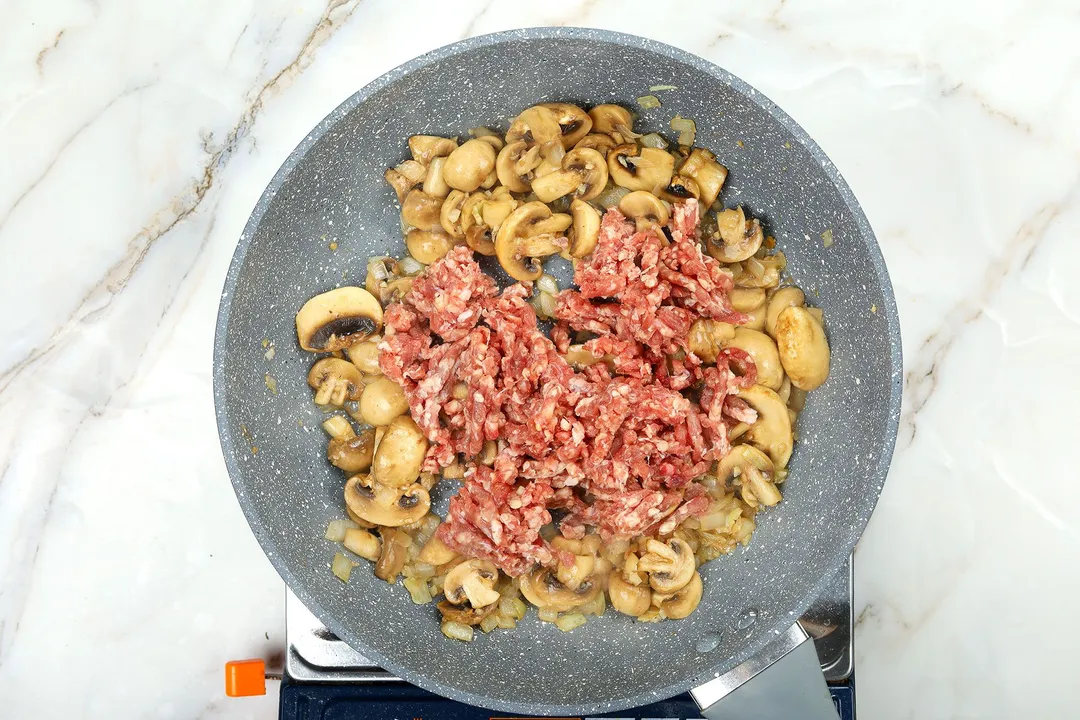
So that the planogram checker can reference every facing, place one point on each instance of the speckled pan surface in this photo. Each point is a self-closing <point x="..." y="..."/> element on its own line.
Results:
<point x="331" y="189"/>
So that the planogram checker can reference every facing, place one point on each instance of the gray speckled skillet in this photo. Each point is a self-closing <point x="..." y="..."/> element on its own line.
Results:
<point x="331" y="188"/>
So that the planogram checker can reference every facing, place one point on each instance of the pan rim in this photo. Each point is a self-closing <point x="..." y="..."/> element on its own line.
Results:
<point x="227" y="436"/>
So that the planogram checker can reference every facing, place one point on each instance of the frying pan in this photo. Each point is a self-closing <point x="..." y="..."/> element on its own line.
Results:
<point x="331" y="189"/>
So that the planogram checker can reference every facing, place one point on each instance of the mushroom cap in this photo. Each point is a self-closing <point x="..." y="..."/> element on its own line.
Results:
<point x="381" y="505"/>
<point x="353" y="454"/>
<point x="473" y="581"/>
<point x="645" y="209"/>
<point x="741" y="457"/>
<point x="428" y="246"/>
<point x="585" y="230"/>
<point x="467" y="167"/>
<point x="336" y="319"/>
<point x="400" y="453"/>
<point x="335" y="381"/>
<point x="803" y="347"/>
<point x="781" y="298"/>
<point x="740" y="238"/>
<point x="607" y="118"/>
<point x="628" y="599"/>
<point x="670" y="565"/>
<point x="515" y="164"/>
<point x="529" y="232"/>
<point x="771" y="432"/>
<point x="574" y="123"/>
<point x="681" y="187"/>
<point x="425" y="148"/>
<point x="451" y="213"/>
<point x="421" y="210"/>
<point x="596" y="141"/>
<point x="543" y="589"/>
<point x="637" y="168"/>
<point x="535" y="125"/>
<point x="763" y="351"/>
<point x="701" y="165"/>
<point x="682" y="602"/>
<point x="464" y="614"/>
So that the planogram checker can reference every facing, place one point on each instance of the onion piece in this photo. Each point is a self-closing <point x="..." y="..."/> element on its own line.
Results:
<point x="570" y="621"/>
<point x="686" y="128"/>
<point x="457" y="631"/>
<point x="648" y="102"/>
<point x="342" y="567"/>
<point x="547" y="304"/>
<point x="611" y="197"/>
<point x="418" y="590"/>
<point x="659" y="88"/>
<point x="547" y="284"/>
<point x="654" y="140"/>
<point x="335" y="531"/>
<point x="378" y="269"/>
<point x="410" y="266"/>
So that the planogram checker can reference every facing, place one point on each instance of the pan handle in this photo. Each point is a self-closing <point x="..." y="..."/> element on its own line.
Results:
<point x="783" y="681"/>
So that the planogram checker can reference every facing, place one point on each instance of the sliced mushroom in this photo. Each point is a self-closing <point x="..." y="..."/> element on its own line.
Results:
<point x="771" y="432"/>
<point x="425" y="148"/>
<point x="608" y="118"/>
<point x="469" y="165"/>
<point x="352" y="454"/>
<point x="529" y="232"/>
<point x="709" y="175"/>
<point x="365" y="356"/>
<point x="758" y="489"/>
<point x="428" y="246"/>
<point x="405" y="177"/>
<point x="739" y="238"/>
<point x="472" y="581"/>
<point x="516" y="164"/>
<point x="628" y="599"/>
<point x="755" y="317"/>
<point x="733" y="465"/>
<point x="543" y="589"/>
<point x="804" y="349"/>
<point x="682" y="603"/>
<point x="363" y="543"/>
<point x="637" y="168"/>
<point x="434" y="184"/>
<point x="382" y="401"/>
<point x="596" y="141"/>
<point x="337" y="319"/>
<point x="763" y="351"/>
<point x="782" y="299"/>
<point x="335" y="381"/>
<point x="707" y="337"/>
<point x="574" y="123"/>
<point x="681" y="187"/>
<point x="536" y="125"/>
<point x="394" y="553"/>
<point x="583" y="174"/>
<point x="670" y="565"/>
<point x="761" y="272"/>
<point x="451" y="212"/>
<point x="420" y="210"/>
<point x="645" y="209"/>
<point x="386" y="506"/>
<point x="746" y="299"/>
<point x="400" y="453"/>
<point x="585" y="230"/>
<point x="464" y="614"/>
<point x="572" y="576"/>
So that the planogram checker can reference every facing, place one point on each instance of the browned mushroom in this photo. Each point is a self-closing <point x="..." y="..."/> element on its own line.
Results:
<point x="337" y="319"/>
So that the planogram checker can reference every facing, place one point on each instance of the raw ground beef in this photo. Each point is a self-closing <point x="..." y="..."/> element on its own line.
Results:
<point x="615" y="446"/>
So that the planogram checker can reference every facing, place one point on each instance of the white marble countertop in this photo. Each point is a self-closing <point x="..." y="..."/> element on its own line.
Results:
<point x="136" y="137"/>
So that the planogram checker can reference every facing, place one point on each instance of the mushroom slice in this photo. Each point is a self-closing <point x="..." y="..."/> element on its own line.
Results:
<point x="469" y="165"/>
<point x="701" y="165"/>
<point x="421" y="210"/>
<point x="680" y="604"/>
<point x="628" y="599"/>
<point x="739" y="238"/>
<point x="400" y="453"/>
<point x="771" y="432"/>
<point x="707" y="337"/>
<point x="515" y="165"/>
<point x="428" y="246"/>
<point x="529" y="232"/>
<point x="681" y="187"/>
<point x="450" y="214"/>
<point x="779" y="301"/>
<point x="425" y="148"/>
<point x="608" y="118"/>
<point x="637" y="168"/>
<point x="435" y="552"/>
<point x="335" y="381"/>
<point x="585" y="230"/>
<point x="536" y="125"/>
<point x="337" y="319"/>
<point x="405" y="177"/>
<point x="574" y="123"/>
<point x="584" y="174"/>
<point x="472" y="581"/>
<point x="645" y="209"/>
<point x="732" y="466"/>
<point x="434" y="184"/>
<point x="386" y="506"/>
<point x="395" y="545"/>
<point x="464" y="614"/>
<point x="596" y="141"/>
<point x="543" y="589"/>
<point x="352" y="454"/>
<point x="803" y="347"/>
<point x="763" y="352"/>
<point x="764" y="272"/>
<point x="670" y="565"/>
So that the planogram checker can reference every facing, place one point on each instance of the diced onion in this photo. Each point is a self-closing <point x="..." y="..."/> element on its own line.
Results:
<point x="654" y="140"/>
<point x="335" y="531"/>
<point x="410" y="266"/>
<point x="826" y="238"/>
<point x="418" y="590"/>
<point x="686" y="128"/>
<point x="271" y="383"/>
<point x="547" y="304"/>
<point x="648" y="102"/>
<point x="271" y="353"/>
<point x="547" y="284"/>
<point x="570" y="621"/>
<point x="457" y="631"/>
<point x="489" y="623"/>
<point x="660" y="88"/>
<point x="506" y="622"/>
<point x="378" y="270"/>
<point x="548" y="615"/>
<point x="611" y="197"/>
<point x="342" y="567"/>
